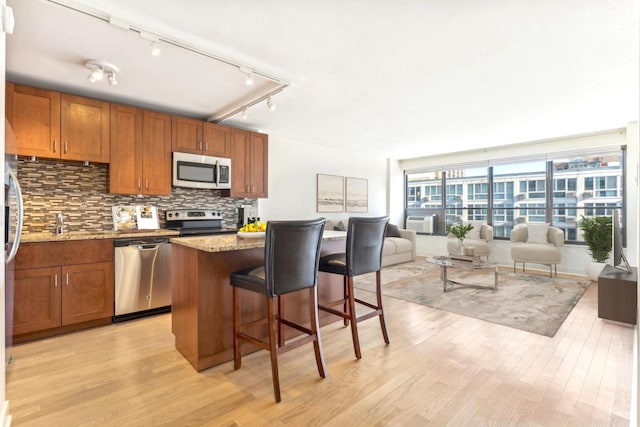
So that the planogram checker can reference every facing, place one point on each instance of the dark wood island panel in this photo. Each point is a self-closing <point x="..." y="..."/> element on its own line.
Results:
<point x="202" y="320"/>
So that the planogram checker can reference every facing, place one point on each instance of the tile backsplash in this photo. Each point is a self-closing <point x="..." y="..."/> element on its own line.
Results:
<point x="80" y="193"/>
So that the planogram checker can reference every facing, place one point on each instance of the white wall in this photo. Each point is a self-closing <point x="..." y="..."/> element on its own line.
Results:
<point x="293" y="167"/>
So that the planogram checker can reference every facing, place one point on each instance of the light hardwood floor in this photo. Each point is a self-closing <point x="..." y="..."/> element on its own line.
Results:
<point x="440" y="369"/>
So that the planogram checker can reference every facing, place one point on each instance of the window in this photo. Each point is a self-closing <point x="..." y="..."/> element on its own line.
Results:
<point x="557" y="191"/>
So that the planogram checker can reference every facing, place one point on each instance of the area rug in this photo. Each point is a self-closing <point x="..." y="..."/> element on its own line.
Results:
<point x="531" y="302"/>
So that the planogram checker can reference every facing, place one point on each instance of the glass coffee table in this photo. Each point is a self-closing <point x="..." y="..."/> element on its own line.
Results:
<point x="463" y="263"/>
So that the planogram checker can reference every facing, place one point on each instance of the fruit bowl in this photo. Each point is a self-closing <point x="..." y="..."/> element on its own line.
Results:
<point x="251" y="234"/>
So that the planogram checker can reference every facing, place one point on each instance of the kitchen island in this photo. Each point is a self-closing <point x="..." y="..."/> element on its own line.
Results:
<point x="202" y="310"/>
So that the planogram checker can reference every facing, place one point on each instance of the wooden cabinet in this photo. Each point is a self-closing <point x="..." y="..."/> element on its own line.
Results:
<point x="84" y="129"/>
<point x="198" y="137"/>
<point x="61" y="126"/>
<point x="140" y="151"/>
<point x="34" y="115"/>
<point x="62" y="286"/>
<point x="617" y="294"/>
<point x="249" y="164"/>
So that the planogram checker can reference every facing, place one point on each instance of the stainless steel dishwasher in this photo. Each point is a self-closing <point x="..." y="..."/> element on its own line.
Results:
<point x="142" y="277"/>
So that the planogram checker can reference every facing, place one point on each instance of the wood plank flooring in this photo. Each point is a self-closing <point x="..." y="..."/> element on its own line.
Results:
<point x="440" y="369"/>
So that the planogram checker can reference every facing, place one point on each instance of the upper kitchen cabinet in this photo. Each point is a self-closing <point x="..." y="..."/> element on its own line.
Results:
<point x="59" y="126"/>
<point x="198" y="137"/>
<point x="140" y="151"/>
<point x="85" y="129"/>
<point x="249" y="164"/>
<point x="34" y="115"/>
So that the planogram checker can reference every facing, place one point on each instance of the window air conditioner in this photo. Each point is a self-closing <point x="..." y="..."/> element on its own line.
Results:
<point x="421" y="224"/>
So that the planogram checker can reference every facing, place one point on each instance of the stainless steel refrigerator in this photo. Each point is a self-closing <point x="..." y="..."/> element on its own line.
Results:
<point x="13" y="216"/>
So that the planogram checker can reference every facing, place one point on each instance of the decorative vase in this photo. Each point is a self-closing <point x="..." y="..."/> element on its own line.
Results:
<point x="460" y="247"/>
<point x="593" y="269"/>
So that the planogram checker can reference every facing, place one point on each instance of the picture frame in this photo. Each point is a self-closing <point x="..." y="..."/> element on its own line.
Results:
<point x="124" y="218"/>
<point x="357" y="195"/>
<point x="147" y="217"/>
<point x="330" y="193"/>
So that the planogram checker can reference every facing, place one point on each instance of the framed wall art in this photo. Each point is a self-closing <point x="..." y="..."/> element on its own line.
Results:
<point x="330" y="193"/>
<point x="357" y="198"/>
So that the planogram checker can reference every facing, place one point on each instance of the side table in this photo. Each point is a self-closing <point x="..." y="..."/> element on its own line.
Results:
<point x="617" y="295"/>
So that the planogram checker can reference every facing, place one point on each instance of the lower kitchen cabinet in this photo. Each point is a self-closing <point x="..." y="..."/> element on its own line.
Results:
<point x="61" y="287"/>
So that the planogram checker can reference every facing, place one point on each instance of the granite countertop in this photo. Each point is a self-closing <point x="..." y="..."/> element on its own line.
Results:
<point x="231" y="242"/>
<point x="93" y="235"/>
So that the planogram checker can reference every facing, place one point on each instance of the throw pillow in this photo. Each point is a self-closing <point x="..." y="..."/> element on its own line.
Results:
<point x="537" y="233"/>
<point x="392" y="231"/>
<point x="474" y="233"/>
<point x="339" y="227"/>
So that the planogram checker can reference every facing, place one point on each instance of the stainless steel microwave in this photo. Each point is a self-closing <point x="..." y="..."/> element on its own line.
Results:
<point x="198" y="171"/>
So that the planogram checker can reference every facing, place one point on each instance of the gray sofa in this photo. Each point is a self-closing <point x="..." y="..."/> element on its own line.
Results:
<point x="396" y="249"/>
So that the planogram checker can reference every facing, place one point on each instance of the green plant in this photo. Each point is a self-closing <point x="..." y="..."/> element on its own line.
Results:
<point x="596" y="232"/>
<point x="459" y="230"/>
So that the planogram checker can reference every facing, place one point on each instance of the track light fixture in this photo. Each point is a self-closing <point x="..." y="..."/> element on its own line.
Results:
<point x="243" y="113"/>
<point x="111" y="78"/>
<point x="155" y="47"/>
<point x="248" y="79"/>
<point x="99" y="69"/>
<point x="270" y="105"/>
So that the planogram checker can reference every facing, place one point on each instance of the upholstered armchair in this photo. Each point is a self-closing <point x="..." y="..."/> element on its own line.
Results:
<point x="479" y="237"/>
<point x="538" y="244"/>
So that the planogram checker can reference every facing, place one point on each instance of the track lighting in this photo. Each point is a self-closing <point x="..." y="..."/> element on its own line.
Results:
<point x="249" y="79"/>
<point x="99" y="69"/>
<point x="95" y="75"/>
<point x="111" y="78"/>
<point x="270" y="105"/>
<point x="155" y="49"/>
<point x="244" y="113"/>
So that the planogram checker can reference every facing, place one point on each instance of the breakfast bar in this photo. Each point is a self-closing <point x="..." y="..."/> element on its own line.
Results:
<point x="202" y="320"/>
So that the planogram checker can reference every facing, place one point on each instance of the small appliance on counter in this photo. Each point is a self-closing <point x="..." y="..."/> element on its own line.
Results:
<point x="246" y="215"/>
<point x="196" y="222"/>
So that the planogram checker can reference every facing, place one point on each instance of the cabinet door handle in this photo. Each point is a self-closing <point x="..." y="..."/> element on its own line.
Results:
<point x="139" y="183"/>
<point x="67" y="279"/>
<point x="147" y="184"/>
<point x="206" y="146"/>
<point x="54" y="145"/>
<point x="55" y="282"/>
<point x="65" y="147"/>
<point x="200" y="145"/>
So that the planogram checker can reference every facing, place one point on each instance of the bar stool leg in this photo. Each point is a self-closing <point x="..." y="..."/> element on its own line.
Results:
<point x="273" y="348"/>
<point x="379" y="297"/>
<point x="237" y="354"/>
<point x="345" y="308"/>
<point x="352" y="317"/>
<point x="315" y="330"/>
<point x="280" y="315"/>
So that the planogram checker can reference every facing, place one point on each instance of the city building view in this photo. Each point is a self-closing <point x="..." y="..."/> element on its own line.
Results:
<point x="557" y="192"/>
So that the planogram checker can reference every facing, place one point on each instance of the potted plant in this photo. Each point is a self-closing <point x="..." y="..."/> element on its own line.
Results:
<point x="459" y="231"/>
<point x="596" y="232"/>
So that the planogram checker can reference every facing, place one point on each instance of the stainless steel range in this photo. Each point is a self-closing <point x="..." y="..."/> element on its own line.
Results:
<point x="194" y="222"/>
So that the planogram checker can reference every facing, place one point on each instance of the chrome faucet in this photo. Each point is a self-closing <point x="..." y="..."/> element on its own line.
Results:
<point x="60" y="224"/>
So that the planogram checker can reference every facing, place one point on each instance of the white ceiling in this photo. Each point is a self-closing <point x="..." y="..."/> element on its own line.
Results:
<point x="403" y="79"/>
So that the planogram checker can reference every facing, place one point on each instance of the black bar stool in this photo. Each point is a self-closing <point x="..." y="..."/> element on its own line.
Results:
<point x="291" y="256"/>
<point x="365" y="237"/>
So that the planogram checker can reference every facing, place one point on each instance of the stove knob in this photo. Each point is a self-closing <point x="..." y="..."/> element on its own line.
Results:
<point x="169" y="215"/>
<point x="177" y="213"/>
